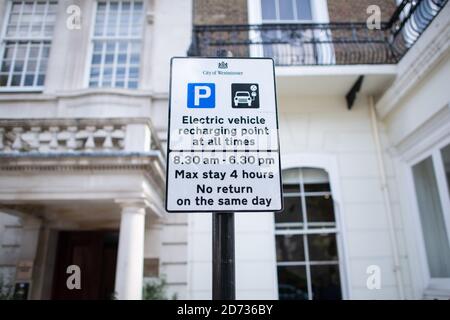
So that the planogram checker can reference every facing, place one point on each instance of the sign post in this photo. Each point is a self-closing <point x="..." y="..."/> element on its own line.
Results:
<point x="223" y="268"/>
<point x="223" y="148"/>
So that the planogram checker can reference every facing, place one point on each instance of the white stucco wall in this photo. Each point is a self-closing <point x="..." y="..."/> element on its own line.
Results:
<point x="255" y="256"/>
<point x="429" y="97"/>
<point x="416" y="113"/>
<point x="324" y="126"/>
<point x="315" y="128"/>
<point x="420" y="123"/>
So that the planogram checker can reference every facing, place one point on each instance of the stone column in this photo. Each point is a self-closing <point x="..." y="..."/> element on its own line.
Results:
<point x="130" y="258"/>
<point x="44" y="264"/>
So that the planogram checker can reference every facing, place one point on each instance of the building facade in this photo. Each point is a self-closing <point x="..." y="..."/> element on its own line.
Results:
<point x="364" y="130"/>
<point x="83" y="108"/>
<point x="353" y="178"/>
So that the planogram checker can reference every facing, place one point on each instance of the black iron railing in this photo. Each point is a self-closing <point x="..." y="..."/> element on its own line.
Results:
<point x="321" y="44"/>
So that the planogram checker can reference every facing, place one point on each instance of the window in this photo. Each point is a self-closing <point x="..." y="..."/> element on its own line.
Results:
<point x="306" y="241"/>
<point x="432" y="184"/>
<point x="286" y="10"/>
<point x="285" y="41"/>
<point x="117" y="44"/>
<point x="25" y="45"/>
<point x="446" y="161"/>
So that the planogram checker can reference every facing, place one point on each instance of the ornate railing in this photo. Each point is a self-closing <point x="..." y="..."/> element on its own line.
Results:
<point x="321" y="44"/>
<point x="70" y="135"/>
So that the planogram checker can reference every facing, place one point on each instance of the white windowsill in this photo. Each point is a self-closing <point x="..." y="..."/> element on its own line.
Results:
<point x="362" y="69"/>
<point x="21" y="89"/>
<point x="440" y="294"/>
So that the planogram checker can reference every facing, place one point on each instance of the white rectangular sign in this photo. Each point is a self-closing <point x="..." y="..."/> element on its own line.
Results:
<point x="223" y="147"/>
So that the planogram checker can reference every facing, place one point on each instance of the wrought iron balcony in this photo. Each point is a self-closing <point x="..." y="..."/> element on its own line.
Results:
<point x="321" y="44"/>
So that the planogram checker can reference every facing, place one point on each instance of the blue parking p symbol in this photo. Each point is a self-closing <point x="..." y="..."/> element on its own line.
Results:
<point x="201" y="95"/>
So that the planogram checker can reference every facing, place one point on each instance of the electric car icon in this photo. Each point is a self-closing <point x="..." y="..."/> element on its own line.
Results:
<point x="242" y="97"/>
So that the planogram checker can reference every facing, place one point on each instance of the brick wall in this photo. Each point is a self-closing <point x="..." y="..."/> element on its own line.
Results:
<point x="209" y="12"/>
<point x="355" y="10"/>
<point x="220" y="12"/>
<point x="235" y="11"/>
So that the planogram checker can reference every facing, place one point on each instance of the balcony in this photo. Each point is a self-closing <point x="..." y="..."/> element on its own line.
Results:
<point x="75" y="137"/>
<point x="76" y="172"/>
<point x="81" y="143"/>
<point x="321" y="44"/>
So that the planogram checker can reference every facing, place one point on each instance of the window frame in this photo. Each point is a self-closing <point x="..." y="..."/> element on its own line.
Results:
<point x="277" y="9"/>
<point x="328" y="163"/>
<point x="434" y="151"/>
<point x="92" y="39"/>
<point x="28" y="38"/>
<point x="319" y="15"/>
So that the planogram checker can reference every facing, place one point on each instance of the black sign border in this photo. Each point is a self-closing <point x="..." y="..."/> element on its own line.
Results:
<point x="168" y="137"/>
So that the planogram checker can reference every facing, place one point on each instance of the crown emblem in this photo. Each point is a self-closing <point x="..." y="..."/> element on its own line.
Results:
<point x="223" y="65"/>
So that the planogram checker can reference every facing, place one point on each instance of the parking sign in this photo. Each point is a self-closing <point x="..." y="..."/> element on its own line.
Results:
<point x="223" y="147"/>
<point x="201" y="95"/>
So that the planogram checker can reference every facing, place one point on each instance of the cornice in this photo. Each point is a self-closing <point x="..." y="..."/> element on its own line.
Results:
<point x="34" y="161"/>
<point x="81" y="93"/>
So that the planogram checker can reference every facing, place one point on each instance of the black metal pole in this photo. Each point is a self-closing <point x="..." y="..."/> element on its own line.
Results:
<point x="223" y="275"/>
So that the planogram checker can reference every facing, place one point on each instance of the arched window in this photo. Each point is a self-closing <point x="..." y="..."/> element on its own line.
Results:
<point x="306" y="243"/>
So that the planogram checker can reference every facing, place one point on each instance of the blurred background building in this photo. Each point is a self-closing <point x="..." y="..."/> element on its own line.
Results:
<point x="365" y="138"/>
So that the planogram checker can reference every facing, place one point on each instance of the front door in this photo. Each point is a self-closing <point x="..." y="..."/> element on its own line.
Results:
<point x="94" y="252"/>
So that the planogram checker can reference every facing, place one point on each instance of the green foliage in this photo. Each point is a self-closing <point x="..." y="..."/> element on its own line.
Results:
<point x="6" y="288"/>
<point x="155" y="289"/>
<point x="112" y="296"/>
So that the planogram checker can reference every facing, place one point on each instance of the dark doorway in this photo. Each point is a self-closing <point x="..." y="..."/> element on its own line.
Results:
<point x="95" y="253"/>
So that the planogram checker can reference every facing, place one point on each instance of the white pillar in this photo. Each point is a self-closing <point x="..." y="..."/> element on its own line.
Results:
<point x="130" y="258"/>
